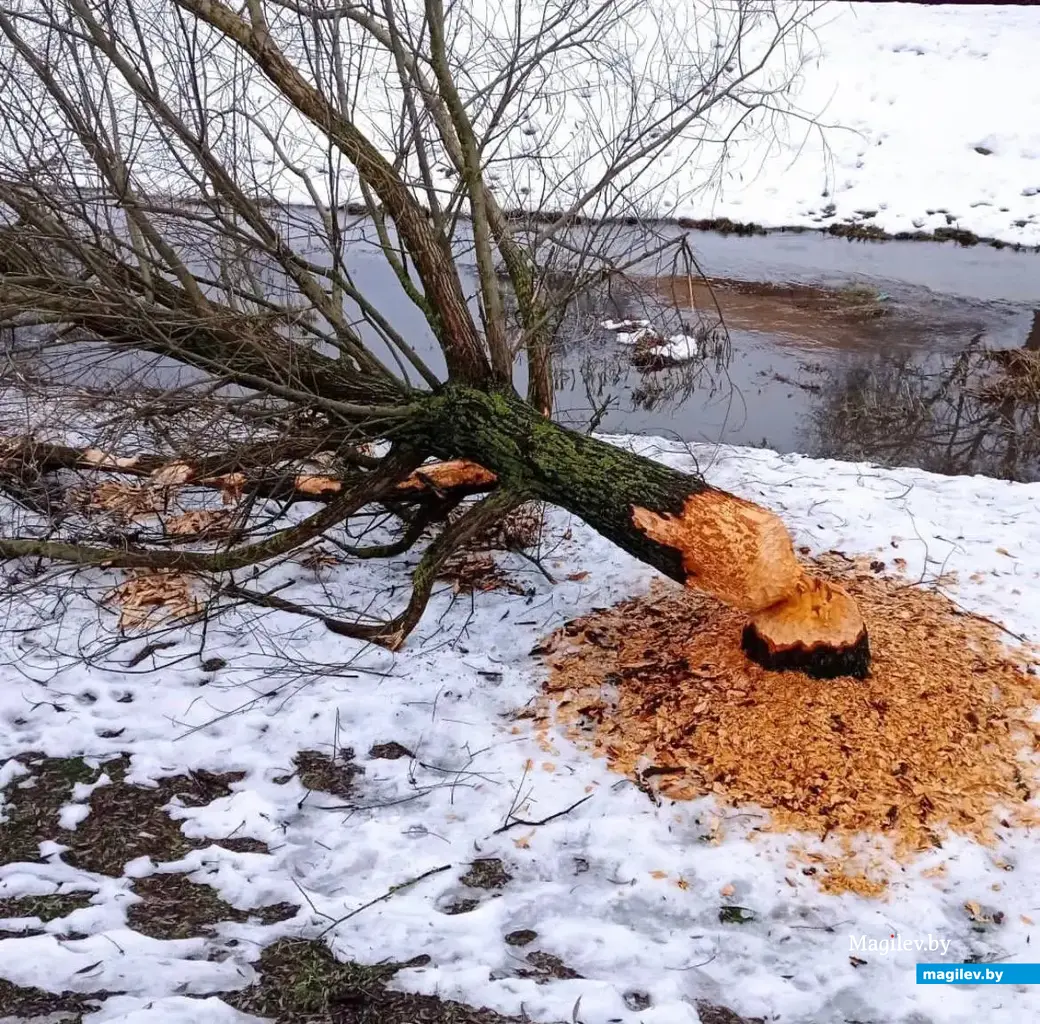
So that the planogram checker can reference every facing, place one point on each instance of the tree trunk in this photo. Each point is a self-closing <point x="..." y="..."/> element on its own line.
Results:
<point x="700" y="536"/>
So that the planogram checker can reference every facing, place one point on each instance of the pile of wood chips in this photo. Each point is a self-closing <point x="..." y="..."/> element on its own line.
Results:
<point x="149" y="596"/>
<point x="938" y="738"/>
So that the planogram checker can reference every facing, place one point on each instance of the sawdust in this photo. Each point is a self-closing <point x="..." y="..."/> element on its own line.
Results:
<point x="939" y="738"/>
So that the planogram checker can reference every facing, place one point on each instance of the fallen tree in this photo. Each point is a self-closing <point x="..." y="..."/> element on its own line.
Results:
<point x="185" y="279"/>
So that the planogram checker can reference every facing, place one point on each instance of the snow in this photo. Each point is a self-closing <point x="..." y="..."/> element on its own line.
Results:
<point x="911" y="93"/>
<point x="677" y="348"/>
<point x="905" y="117"/>
<point x="890" y="113"/>
<point x="599" y="885"/>
<point x="623" y="325"/>
<point x="892" y="106"/>
<point x="635" y="337"/>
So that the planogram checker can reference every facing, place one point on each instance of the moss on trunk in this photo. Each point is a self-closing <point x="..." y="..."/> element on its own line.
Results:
<point x="538" y="458"/>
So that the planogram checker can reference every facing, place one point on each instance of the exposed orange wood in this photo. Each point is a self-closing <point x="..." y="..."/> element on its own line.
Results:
<point x="742" y="554"/>
<point x="818" y="614"/>
<point x="443" y="476"/>
<point x="313" y="483"/>
<point x="731" y="548"/>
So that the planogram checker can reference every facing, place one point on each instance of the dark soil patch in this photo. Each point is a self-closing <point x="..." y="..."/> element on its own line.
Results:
<point x="391" y="751"/>
<point x="32" y="802"/>
<point x="546" y="967"/>
<point x="124" y="822"/>
<point x="521" y="937"/>
<point x="301" y="981"/>
<point x="709" y="1013"/>
<point x="486" y="873"/>
<point x="46" y="908"/>
<point x="172" y="907"/>
<point x="34" y="1002"/>
<point x="460" y="906"/>
<point x="637" y="1001"/>
<point x="326" y="774"/>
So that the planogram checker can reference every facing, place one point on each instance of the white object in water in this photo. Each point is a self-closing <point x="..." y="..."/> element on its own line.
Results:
<point x="644" y="334"/>
<point x="679" y="347"/>
<point x="623" y="325"/>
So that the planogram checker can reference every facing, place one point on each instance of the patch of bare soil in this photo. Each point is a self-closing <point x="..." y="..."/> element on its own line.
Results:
<point x="173" y="907"/>
<point x="486" y="873"/>
<point x="325" y="774"/>
<point x="22" y="911"/>
<point x="27" y="1004"/>
<point x="124" y="822"/>
<point x="301" y="981"/>
<point x="937" y="738"/>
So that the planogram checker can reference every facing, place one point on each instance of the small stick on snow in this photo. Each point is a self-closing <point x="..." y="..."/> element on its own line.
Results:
<point x="543" y="821"/>
<point x="392" y="891"/>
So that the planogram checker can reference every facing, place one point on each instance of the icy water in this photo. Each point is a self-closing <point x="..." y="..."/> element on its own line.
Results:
<point x="852" y="350"/>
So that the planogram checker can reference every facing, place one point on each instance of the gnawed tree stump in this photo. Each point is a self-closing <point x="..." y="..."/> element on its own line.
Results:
<point x="818" y="630"/>
<point x="698" y="535"/>
<point x="742" y="554"/>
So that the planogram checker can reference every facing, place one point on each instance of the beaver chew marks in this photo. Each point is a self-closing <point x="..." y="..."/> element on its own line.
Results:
<point x="742" y="554"/>
<point x="818" y="630"/>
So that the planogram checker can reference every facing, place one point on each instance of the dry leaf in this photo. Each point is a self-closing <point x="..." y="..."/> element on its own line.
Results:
<point x="577" y="577"/>
<point x="206" y="522"/>
<point x="173" y="473"/>
<point x="727" y="891"/>
<point x="658" y="874"/>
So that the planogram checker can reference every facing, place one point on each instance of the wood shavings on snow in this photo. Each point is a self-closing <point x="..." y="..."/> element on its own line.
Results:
<point x="123" y="501"/>
<point x="941" y="736"/>
<point x="199" y="523"/>
<point x="149" y="596"/>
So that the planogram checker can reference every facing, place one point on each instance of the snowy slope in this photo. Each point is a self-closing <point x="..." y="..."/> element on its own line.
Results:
<point x="912" y="93"/>
<point x="585" y="882"/>
<point x="906" y="117"/>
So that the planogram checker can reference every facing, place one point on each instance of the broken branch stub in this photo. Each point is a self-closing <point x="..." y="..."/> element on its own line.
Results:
<point x="742" y="554"/>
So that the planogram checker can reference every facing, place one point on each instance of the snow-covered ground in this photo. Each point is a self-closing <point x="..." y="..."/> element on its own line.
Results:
<point x="907" y="117"/>
<point x="914" y="93"/>
<point x="600" y="885"/>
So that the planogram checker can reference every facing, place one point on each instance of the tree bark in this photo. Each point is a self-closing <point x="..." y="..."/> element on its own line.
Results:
<point x="695" y="534"/>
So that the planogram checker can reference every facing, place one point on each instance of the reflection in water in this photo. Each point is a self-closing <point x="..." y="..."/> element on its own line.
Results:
<point x="893" y="377"/>
<point x="978" y="412"/>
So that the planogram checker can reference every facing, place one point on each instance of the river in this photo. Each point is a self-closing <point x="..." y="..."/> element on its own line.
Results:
<point x="873" y="351"/>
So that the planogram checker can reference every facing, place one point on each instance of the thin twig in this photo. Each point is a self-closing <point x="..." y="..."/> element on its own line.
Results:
<point x="392" y="891"/>
<point x="543" y="821"/>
